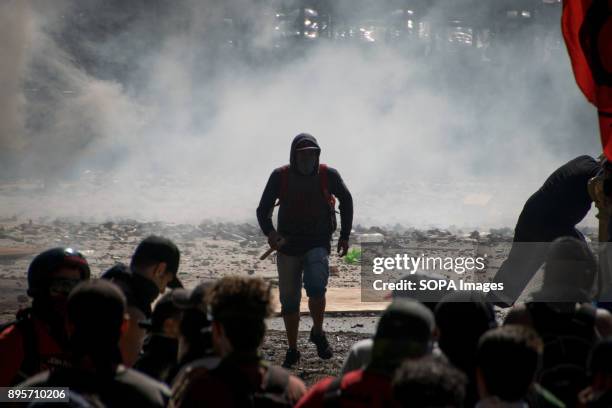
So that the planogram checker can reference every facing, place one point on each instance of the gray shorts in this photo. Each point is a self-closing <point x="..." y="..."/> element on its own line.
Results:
<point x="314" y="265"/>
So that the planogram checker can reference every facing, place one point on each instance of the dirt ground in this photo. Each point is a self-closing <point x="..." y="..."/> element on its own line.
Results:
<point x="211" y="250"/>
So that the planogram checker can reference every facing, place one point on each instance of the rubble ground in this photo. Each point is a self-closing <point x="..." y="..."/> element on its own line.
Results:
<point x="211" y="250"/>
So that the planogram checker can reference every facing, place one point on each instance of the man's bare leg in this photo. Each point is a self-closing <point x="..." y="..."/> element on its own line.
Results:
<point x="292" y="324"/>
<point x="317" y="312"/>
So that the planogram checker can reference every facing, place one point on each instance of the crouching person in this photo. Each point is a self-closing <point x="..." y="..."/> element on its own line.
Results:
<point x="239" y="307"/>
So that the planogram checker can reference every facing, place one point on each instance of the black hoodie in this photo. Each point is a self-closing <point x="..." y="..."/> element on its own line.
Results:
<point x="561" y="203"/>
<point x="303" y="218"/>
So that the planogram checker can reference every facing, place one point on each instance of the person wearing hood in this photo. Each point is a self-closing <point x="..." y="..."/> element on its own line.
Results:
<point x="306" y="192"/>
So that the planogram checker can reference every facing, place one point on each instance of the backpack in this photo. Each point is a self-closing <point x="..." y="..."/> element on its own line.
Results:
<point x="567" y="344"/>
<point x="324" y="182"/>
<point x="31" y="360"/>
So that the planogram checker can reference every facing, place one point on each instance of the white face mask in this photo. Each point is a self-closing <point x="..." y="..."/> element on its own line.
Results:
<point x="306" y="165"/>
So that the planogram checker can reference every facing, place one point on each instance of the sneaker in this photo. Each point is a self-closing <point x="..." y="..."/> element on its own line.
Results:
<point x="323" y="349"/>
<point x="292" y="357"/>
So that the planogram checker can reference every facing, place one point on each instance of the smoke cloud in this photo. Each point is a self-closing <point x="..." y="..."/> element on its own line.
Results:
<point x="162" y="112"/>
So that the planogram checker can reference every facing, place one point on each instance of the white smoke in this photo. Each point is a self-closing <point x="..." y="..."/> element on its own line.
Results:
<point x="192" y="131"/>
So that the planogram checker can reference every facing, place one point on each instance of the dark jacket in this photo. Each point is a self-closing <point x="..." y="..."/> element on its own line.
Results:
<point x="126" y="388"/>
<point x="304" y="217"/>
<point x="561" y="203"/>
<point x="139" y="291"/>
<point x="159" y="357"/>
<point x="232" y="383"/>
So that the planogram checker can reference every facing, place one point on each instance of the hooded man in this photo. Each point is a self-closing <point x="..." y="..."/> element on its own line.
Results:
<point x="306" y="192"/>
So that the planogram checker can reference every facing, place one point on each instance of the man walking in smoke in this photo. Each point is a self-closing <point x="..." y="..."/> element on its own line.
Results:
<point x="306" y="192"/>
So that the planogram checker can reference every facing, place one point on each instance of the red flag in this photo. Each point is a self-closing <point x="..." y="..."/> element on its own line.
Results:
<point x="587" y="29"/>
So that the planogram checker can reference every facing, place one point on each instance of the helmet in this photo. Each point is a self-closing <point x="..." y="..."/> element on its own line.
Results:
<point x="47" y="262"/>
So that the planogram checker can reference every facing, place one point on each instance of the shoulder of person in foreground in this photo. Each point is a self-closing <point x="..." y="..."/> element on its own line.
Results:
<point x="314" y="397"/>
<point x="296" y="388"/>
<point x="152" y="391"/>
<point x="519" y="314"/>
<point x="190" y="385"/>
<point x="358" y="356"/>
<point x="11" y="353"/>
<point x="37" y="380"/>
<point x="603" y="322"/>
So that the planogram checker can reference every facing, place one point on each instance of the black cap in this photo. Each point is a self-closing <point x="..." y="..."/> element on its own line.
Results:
<point x="192" y="299"/>
<point x="154" y="249"/>
<point x="177" y="300"/>
<point x="49" y="261"/>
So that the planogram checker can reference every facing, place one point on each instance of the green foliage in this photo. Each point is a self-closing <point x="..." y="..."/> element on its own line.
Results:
<point x="353" y="256"/>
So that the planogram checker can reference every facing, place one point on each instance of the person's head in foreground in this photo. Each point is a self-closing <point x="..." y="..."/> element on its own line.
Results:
<point x="569" y="272"/>
<point x="405" y="330"/>
<point x="96" y="318"/>
<point x="165" y="318"/>
<point x="507" y="361"/>
<point x="51" y="276"/>
<point x="194" y="334"/>
<point x="239" y="307"/>
<point x="157" y="258"/>
<point x="462" y="318"/>
<point x="428" y="382"/>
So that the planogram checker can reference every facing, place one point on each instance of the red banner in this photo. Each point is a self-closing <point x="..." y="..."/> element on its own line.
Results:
<point x="587" y="29"/>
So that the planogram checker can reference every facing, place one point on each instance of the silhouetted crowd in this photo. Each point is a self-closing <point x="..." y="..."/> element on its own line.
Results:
<point x="103" y="339"/>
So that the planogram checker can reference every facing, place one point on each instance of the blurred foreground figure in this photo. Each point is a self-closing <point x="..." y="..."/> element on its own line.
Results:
<point x="508" y="360"/>
<point x="306" y="192"/>
<point x="563" y="315"/>
<point x="96" y="316"/>
<point x="462" y="318"/>
<point x="195" y="334"/>
<point x="239" y="307"/>
<point x="154" y="266"/>
<point x="429" y="382"/>
<point x="405" y="330"/>
<point x="37" y="340"/>
<point x="551" y="212"/>
<point x="160" y="350"/>
<point x="599" y="392"/>
<point x="179" y="333"/>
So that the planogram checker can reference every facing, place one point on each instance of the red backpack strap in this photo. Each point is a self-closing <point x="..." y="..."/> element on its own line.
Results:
<point x="284" y="184"/>
<point x="324" y="179"/>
